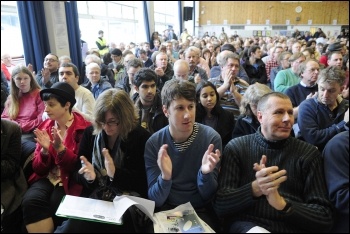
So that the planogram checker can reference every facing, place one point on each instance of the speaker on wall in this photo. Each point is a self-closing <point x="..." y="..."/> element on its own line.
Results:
<point x="188" y="12"/>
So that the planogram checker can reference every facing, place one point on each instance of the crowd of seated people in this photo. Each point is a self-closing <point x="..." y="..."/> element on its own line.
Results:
<point x="229" y="106"/>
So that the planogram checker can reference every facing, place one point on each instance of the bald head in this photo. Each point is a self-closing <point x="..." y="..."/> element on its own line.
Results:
<point x="181" y="69"/>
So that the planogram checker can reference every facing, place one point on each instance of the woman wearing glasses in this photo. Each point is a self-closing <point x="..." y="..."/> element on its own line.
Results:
<point x="111" y="153"/>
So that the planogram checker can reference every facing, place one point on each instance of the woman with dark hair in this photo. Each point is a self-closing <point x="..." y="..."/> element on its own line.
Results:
<point x="210" y="112"/>
<point x="56" y="153"/>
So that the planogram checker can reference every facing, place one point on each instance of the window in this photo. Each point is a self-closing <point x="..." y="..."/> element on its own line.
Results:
<point x="121" y="21"/>
<point x="166" y="14"/>
<point x="11" y="37"/>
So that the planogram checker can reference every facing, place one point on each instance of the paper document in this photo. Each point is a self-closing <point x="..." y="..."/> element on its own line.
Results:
<point x="102" y="211"/>
<point x="182" y="219"/>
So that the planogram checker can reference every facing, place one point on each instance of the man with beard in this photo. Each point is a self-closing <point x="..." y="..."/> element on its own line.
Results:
<point x="192" y="55"/>
<point x="149" y="102"/>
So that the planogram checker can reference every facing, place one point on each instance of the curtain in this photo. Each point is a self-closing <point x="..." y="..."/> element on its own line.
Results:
<point x="34" y="34"/>
<point x="74" y="34"/>
<point x="146" y="20"/>
<point x="180" y="18"/>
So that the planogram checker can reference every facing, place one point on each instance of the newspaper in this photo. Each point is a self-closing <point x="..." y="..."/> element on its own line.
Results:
<point x="182" y="219"/>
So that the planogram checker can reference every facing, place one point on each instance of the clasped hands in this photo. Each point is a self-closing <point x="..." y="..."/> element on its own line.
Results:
<point x="209" y="161"/>
<point x="268" y="180"/>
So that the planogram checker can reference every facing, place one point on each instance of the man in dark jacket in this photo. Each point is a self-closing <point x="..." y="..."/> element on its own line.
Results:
<point x="149" y="101"/>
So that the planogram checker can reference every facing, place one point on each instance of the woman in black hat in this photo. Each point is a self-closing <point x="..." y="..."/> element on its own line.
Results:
<point x="55" y="156"/>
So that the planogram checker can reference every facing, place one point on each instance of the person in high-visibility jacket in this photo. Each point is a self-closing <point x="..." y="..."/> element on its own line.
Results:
<point x="101" y="43"/>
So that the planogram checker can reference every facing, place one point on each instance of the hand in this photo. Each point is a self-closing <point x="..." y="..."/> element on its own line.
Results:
<point x="164" y="162"/>
<point x="267" y="183"/>
<point x="210" y="159"/>
<point x="159" y="71"/>
<point x="311" y="95"/>
<point x="57" y="139"/>
<point x="258" y="167"/>
<point x="87" y="169"/>
<point x="269" y="178"/>
<point x="197" y="78"/>
<point x="30" y="68"/>
<point x="42" y="138"/>
<point x="109" y="163"/>
<point x="227" y="78"/>
<point x="45" y="73"/>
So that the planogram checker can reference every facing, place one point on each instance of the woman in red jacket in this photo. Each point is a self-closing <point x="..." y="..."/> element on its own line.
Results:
<point x="55" y="157"/>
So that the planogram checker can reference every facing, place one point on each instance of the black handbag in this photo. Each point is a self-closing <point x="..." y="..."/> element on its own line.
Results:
<point x="133" y="216"/>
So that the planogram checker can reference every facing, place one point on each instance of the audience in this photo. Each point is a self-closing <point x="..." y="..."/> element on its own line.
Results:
<point x="227" y="105"/>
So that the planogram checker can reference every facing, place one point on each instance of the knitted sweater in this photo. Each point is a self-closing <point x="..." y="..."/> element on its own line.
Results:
<point x="285" y="79"/>
<point x="305" y="187"/>
<point x="187" y="184"/>
<point x="298" y="93"/>
<point x="319" y="124"/>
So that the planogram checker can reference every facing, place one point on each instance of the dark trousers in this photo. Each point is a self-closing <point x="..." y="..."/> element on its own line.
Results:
<point x="41" y="202"/>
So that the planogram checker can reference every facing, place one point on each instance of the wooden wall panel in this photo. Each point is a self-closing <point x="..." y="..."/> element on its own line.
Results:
<point x="238" y="12"/>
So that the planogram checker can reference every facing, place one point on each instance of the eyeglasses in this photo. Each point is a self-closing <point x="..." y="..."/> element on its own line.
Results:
<point x="109" y="123"/>
<point x="51" y="60"/>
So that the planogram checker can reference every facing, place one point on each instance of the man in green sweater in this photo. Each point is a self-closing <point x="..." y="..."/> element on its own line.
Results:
<point x="271" y="181"/>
